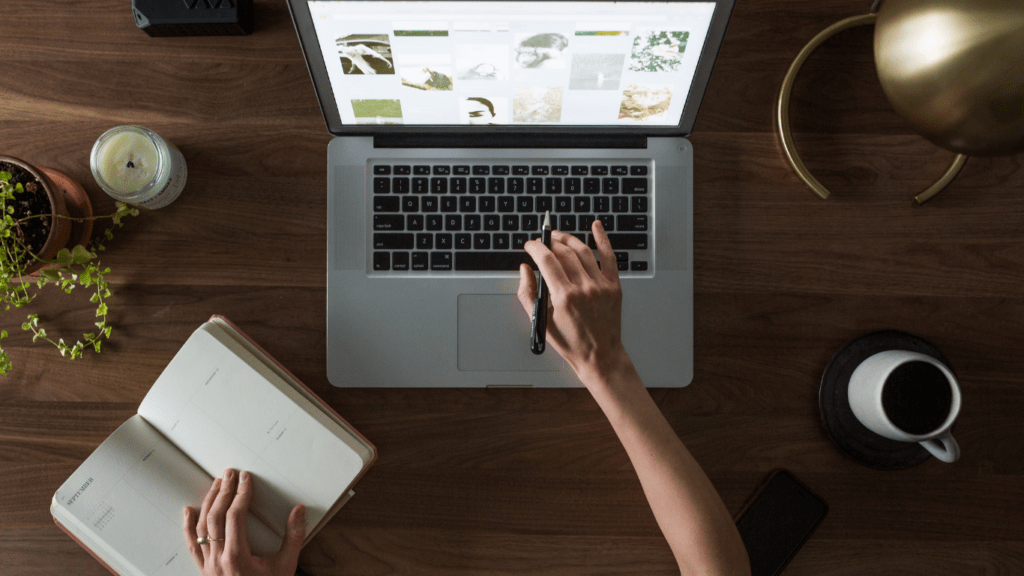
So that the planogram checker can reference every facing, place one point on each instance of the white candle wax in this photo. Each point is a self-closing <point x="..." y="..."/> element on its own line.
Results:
<point x="128" y="161"/>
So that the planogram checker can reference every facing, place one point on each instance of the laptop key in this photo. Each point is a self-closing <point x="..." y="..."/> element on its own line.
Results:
<point x="430" y="204"/>
<point x="539" y="171"/>
<point x="386" y="203"/>
<point x="492" y="222"/>
<point x="458" y="185"/>
<point x="481" y="241"/>
<point x="545" y="204"/>
<point x="608" y="221"/>
<point x="560" y="170"/>
<point x="534" y="185"/>
<point x="524" y="204"/>
<point x="442" y="170"/>
<point x="506" y="204"/>
<point x="499" y="170"/>
<point x="638" y="265"/>
<point x="628" y="241"/>
<point x="620" y="171"/>
<point x="400" y="185"/>
<point x="520" y="170"/>
<point x="573" y="186"/>
<point x="443" y="241"/>
<point x="388" y="222"/>
<point x="440" y="260"/>
<point x="553" y="185"/>
<point x="382" y="170"/>
<point x="516" y="186"/>
<point x="587" y="222"/>
<point x="439" y="185"/>
<point x="467" y="204"/>
<point x="496" y="185"/>
<point x="632" y="223"/>
<point x="481" y="170"/>
<point x="420" y="185"/>
<point x="620" y="204"/>
<point x="501" y="241"/>
<point x="591" y="185"/>
<point x="434" y="222"/>
<point x="403" y="170"/>
<point x="492" y="261"/>
<point x="449" y="204"/>
<point x="610" y="185"/>
<point x="634" y="185"/>
<point x="519" y="240"/>
<point x="392" y="241"/>
<point x="420" y="261"/>
<point x="381" y="185"/>
<point x="580" y="170"/>
<point x="422" y="170"/>
<point x="567" y="223"/>
<point x="463" y="241"/>
<point x="638" y="204"/>
<point x="638" y="170"/>
<point x="487" y="204"/>
<point x="400" y="261"/>
<point x="563" y="204"/>
<point x="460" y="170"/>
<point x="382" y="261"/>
<point x="602" y="204"/>
<point x="424" y="241"/>
<point x="599" y="170"/>
<point x="453" y="222"/>
<point x="473" y="222"/>
<point x="510" y="223"/>
<point x="477" y="185"/>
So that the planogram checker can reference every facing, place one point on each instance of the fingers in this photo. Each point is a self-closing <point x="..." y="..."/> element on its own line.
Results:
<point x="527" y="287"/>
<point x="294" y="535"/>
<point x="204" y="510"/>
<point x="584" y="255"/>
<point x="216" y="519"/>
<point x="191" y="537"/>
<point x="549" y="265"/>
<point x="236" y="538"/>
<point x="609" y="268"/>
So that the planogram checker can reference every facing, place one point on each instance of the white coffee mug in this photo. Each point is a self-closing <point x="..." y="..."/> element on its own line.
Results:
<point x="919" y="401"/>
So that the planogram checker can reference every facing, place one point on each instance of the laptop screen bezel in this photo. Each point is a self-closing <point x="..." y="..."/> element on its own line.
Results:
<point x="316" y="65"/>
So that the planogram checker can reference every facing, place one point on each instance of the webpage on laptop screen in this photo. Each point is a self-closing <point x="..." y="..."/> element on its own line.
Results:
<point x="541" y="63"/>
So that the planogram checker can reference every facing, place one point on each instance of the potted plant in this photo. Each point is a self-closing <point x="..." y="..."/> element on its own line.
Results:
<point x="38" y="219"/>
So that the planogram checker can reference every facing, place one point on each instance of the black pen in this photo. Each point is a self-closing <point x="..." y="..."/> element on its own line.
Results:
<point x="539" y="324"/>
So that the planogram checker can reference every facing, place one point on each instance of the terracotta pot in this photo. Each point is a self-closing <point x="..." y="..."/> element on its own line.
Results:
<point x="60" y="229"/>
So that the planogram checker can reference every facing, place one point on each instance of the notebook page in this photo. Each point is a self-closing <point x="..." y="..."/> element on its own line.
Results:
<point x="224" y="414"/>
<point x="126" y="502"/>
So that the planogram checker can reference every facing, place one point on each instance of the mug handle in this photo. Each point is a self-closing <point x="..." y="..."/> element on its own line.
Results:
<point x="943" y="447"/>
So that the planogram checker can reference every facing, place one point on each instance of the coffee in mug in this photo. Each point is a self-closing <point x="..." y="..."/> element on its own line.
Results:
<point x="910" y="397"/>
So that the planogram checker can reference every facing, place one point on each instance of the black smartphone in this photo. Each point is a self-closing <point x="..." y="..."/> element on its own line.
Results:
<point x="777" y="521"/>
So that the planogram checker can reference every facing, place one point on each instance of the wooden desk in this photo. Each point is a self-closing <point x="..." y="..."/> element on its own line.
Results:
<point x="534" y="481"/>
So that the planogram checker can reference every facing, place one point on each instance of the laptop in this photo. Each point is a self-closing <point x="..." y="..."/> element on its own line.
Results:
<point x="457" y="126"/>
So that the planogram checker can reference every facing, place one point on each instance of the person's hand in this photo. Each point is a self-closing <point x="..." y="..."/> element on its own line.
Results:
<point x="585" y="301"/>
<point x="222" y="520"/>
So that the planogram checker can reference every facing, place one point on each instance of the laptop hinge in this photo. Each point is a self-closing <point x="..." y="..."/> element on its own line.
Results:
<point x="510" y="141"/>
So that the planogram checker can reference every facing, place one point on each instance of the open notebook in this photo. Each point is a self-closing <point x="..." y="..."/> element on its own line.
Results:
<point x="221" y="403"/>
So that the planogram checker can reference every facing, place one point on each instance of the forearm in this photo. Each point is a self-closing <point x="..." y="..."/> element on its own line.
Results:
<point x="686" y="505"/>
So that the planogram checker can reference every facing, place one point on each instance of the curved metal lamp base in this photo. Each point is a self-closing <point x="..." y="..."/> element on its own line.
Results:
<point x="782" y="115"/>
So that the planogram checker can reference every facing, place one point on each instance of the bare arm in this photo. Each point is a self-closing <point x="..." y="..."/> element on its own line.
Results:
<point x="583" y="326"/>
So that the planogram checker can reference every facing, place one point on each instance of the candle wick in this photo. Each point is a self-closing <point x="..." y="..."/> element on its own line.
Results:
<point x="131" y="164"/>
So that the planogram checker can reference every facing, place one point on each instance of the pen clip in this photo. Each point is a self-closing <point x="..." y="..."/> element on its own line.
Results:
<point x="538" y="327"/>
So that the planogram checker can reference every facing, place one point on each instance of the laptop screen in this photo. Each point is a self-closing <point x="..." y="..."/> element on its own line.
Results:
<point x="547" y="63"/>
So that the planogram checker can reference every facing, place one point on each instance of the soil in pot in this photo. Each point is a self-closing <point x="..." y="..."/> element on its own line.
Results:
<point x="32" y="201"/>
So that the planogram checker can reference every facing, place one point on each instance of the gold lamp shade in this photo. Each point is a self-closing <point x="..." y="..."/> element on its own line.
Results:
<point x="954" y="69"/>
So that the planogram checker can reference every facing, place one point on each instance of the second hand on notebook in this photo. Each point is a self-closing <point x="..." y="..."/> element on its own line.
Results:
<point x="538" y="327"/>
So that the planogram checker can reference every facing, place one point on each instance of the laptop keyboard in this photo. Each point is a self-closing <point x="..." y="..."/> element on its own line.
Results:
<point x="476" y="217"/>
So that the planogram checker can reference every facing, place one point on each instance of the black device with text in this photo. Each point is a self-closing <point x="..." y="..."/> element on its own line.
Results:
<point x="777" y="521"/>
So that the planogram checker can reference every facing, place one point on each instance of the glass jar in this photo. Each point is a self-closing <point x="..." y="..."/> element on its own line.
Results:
<point x="135" y="165"/>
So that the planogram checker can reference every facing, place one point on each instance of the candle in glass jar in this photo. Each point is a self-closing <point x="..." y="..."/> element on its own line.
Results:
<point x="128" y="161"/>
<point x="135" y="165"/>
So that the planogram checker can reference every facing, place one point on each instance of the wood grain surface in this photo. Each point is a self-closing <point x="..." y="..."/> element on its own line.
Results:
<point x="534" y="481"/>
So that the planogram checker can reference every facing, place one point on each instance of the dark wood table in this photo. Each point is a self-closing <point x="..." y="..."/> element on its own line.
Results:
<point x="473" y="481"/>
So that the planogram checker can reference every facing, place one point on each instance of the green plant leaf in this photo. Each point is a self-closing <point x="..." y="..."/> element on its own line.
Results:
<point x="81" y="256"/>
<point x="63" y="257"/>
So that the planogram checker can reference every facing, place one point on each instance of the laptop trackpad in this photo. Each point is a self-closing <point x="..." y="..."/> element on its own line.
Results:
<point x="494" y="334"/>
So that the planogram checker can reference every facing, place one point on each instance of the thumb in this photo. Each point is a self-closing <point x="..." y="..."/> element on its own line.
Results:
<point x="294" y="534"/>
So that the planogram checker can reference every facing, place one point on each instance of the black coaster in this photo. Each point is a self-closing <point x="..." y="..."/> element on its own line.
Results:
<point x="842" y="426"/>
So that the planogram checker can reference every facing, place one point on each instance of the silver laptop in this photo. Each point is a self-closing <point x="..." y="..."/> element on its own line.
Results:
<point x="458" y="125"/>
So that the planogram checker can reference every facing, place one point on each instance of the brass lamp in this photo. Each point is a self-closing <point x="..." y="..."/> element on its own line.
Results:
<point x="954" y="69"/>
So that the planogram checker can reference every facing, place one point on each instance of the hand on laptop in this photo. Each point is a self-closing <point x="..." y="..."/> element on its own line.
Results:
<point x="585" y="311"/>
<point x="222" y="520"/>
